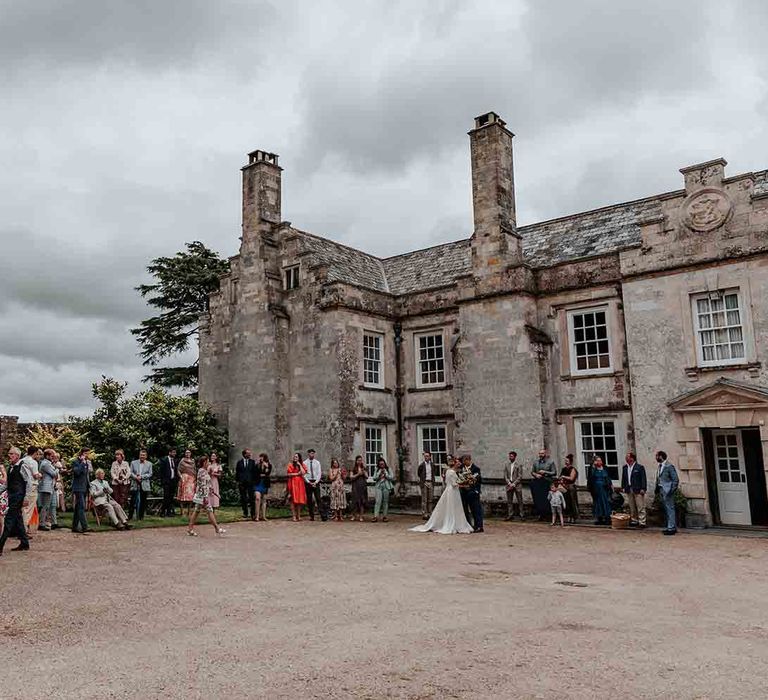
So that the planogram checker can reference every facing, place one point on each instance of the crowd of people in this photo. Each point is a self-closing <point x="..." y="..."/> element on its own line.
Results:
<point x="32" y="490"/>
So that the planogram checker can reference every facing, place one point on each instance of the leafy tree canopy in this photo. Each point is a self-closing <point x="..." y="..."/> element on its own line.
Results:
<point x="180" y="293"/>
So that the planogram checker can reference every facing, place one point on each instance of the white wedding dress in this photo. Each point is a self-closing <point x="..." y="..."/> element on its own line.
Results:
<point x="448" y="516"/>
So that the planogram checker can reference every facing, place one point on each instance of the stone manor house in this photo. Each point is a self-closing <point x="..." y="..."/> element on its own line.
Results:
<point x="640" y="325"/>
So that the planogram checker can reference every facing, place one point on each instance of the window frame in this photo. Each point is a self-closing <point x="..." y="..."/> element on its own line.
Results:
<point x="698" y="330"/>
<point x="380" y="337"/>
<point x="371" y="469"/>
<point x="620" y="445"/>
<point x="421" y="449"/>
<point x="572" y="356"/>
<point x="417" y="352"/>
<point x="294" y="271"/>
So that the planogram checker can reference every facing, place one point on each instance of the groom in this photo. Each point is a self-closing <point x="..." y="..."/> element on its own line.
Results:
<point x="471" y="493"/>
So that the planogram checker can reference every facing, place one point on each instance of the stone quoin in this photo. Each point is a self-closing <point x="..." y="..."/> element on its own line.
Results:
<point x="637" y="326"/>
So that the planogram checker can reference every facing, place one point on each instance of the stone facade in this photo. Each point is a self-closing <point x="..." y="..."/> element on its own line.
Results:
<point x="641" y="326"/>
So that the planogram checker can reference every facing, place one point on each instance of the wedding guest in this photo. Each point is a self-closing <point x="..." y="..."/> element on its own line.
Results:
<point x="338" y="494"/>
<point x="359" y="479"/>
<point x="215" y="470"/>
<point x="60" y="503"/>
<point x="568" y="477"/>
<point x="169" y="478"/>
<point x="601" y="488"/>
<point x="312" y="477"/>
<point x="245" y="470"/>
<point x="101" y="492"/>
<point x="19" y="489"/>
<point x="556" y="503"/>
<point x="120" y="473"/>
<point x="187" y="477"/>
<point x="3" y="495"/>
<point x="30" y="462"/>
<point x="295" y="486"/>
<point x="634" y="483"/>
<point x="543" y="472"/>
<point x="81" y="472"/>
<point x="141" y="476"/>
<point x="667" y="483"/>
<point x="426" y="476"/>
<point x="261" y="490"/>
<point x="382" y="487"/>
<point x="472" y="490"/>
<point x="201" y="499"/>
<point x="45" y="488"/>
<point x="513" y="477"/>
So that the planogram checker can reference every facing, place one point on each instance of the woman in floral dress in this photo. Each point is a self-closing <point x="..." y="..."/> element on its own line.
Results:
<point x="336" y="476"/>
<point x="186" y="493"/>
<point x="3" y="495"/>
<point x="202" y="498"/>
<point x="215" y="469"/>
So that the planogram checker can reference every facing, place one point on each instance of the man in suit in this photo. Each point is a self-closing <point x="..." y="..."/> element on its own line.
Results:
<point x="245" y="470"/>
<point x="141" y="477"/>
<point x="513" y="477"/>
<point x="312" y="479"/>
<point x="426" y="476"/>
<point x="634" y="483"/>
<point x="19" y="493"/>
<point x="45" y="489"/>
<point x="169" y="476"/>
<point x="472" y="491"/>
<point x="666" y="486"/>
<point x="81" y="470"/>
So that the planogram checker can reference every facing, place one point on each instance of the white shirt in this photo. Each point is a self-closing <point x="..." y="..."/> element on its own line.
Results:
<point x="314" y="470"/>
<point x="172" y="465"/>
<point x="629" y="472"/>
<point x="29" y="465"/>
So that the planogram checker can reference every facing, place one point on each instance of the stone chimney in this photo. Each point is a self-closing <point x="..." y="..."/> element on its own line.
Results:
<point x="261" y="193"/>
<point x="495" y="243"/>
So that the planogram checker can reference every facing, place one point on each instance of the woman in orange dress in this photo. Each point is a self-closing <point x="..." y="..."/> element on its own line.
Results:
<point x="297" y="493"/>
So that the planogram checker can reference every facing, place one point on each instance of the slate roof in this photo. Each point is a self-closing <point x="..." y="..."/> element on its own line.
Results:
<point x="545" y="244"/>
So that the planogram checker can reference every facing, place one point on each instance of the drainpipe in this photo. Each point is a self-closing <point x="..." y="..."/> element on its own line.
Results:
<point x="399" y="409"/>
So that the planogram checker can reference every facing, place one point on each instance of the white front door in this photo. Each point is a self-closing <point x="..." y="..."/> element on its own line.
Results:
<point x="732" y="490"/>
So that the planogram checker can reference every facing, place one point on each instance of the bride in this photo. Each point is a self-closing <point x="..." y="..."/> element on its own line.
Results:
<point x="448" y="516"/>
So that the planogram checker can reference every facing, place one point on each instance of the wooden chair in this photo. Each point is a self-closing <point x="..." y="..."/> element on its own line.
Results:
<point x="91" y="507"/>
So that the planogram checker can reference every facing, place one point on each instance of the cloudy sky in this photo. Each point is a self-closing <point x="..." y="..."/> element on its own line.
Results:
<point x="124" y="125"/>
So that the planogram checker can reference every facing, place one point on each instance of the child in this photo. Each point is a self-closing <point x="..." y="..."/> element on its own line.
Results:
<point x="556" y="502"/>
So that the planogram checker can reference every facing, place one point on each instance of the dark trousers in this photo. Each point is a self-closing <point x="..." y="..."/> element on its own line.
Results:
<point x="14" y="522"/>
<point x="313" y="496"/>
<point x="169" y="492"/>
<point x="138" y="504"/>
<point x="476" y="507"/>
<point x="79" y="520"/>
<point x="247" y="500"/>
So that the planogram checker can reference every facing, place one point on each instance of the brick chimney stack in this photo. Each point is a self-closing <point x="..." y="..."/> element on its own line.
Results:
<point x="495" y="243"/>
<point x="261" y="193"/>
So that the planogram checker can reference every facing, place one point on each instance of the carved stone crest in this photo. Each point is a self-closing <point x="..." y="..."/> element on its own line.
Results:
<point x="706" y="209"/>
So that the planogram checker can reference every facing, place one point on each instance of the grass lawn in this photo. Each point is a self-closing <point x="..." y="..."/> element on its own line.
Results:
<point x="226" y="514"/>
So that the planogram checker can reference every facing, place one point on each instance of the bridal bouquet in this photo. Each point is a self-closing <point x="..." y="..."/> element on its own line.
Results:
<point x="465" y="478"/>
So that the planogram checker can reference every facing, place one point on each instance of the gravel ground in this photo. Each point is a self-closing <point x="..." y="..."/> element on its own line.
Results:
<point x="369" y="610"/>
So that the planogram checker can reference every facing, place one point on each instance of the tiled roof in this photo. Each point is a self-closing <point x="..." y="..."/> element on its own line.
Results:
<point x="544" y="244"/>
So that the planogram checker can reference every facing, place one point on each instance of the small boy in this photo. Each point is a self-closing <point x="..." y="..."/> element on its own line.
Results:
<point x="557" y="503"/>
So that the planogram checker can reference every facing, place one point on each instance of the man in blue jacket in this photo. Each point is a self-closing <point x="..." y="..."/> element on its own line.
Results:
<point x="81" y="471"/>
<point x="667" y="483"/>
<point x="634" y="483"/>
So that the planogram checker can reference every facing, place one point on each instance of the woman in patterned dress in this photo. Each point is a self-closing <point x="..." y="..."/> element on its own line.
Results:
<point x="297" y="492"/>
<point x="3" y="496"/>
<point x="202" y="498"/>
<point x="215" y="469"/>
<point x="336" y="476"/>
<point x="186" y="493"/>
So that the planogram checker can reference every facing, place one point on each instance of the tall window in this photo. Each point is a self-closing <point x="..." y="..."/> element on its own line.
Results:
<point x="589" y="343"/>
<point x="375" y="446"/>
<point x="372" y="368"/>
<point x="719" y="330"/>
<point x="430" y="359"/>
<point x="599" y="437"/>
<point x="291" y="277"/>
<point x="433" y="439"/>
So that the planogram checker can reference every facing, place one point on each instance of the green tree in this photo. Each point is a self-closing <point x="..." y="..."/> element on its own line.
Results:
<point x="180" y="293"/>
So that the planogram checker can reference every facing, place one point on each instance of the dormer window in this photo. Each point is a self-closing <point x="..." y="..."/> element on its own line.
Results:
<point x="291" y="277"/>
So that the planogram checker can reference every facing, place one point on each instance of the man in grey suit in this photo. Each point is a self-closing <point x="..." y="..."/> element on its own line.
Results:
<point x="426" y="476"/>
<point x="666" y="486"/>
<point x="45" y="488"/>
<point x="141" y="475"/>
<point x="513" y="478"/>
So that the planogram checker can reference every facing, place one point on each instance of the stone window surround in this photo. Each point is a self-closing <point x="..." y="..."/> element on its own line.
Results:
<point x="382" y="382"/>
<point x="689" y="330"/>
<point x="615" y="338"/>
<point x="439" y="330"/>
<point x="622" y="421"/>
<point x="571" y="313"/>
<point x="291" y="277"/>
<point x="420" y="444"/>
<point x="363" y="426"/>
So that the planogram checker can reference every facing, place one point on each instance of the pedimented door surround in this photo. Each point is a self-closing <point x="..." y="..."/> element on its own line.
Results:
<point x="724" y="404"/>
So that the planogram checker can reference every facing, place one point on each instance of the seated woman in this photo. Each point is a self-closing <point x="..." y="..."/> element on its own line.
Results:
<point x="101" y="492"/>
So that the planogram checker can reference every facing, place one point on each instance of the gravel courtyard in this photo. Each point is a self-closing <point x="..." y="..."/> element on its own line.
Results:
<point x="285" y="610"/>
